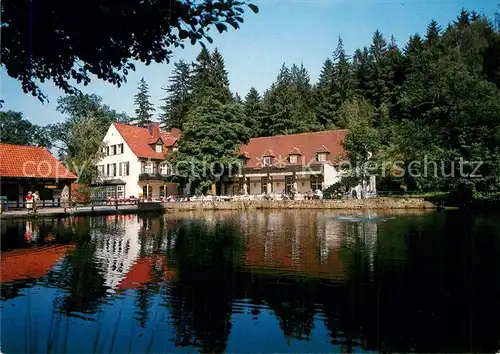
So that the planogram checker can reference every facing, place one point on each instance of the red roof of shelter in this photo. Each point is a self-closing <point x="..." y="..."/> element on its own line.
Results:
<point x="30" y="263"/>
<point x="308" y="144"/>
<point x="30" y="162"/>
<point x="139" y="139"/>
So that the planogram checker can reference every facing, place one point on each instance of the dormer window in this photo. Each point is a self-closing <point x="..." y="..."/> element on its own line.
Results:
<point x="267" y="158"/>
<point x="293" y="155"/>
<point x="159" y="148"/>
<point x="322" y="156"/>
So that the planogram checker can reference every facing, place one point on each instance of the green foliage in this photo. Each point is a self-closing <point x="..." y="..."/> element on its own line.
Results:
<point x="210" y="78"/>
<point x="178" y="100"/>
<point x="436" y="103"/>
<point x="14" y="129"/>
<point x="144" y="109"/>
<point x="144" y="31"/>
<point x="254" y="117"/>
<point x="212" y="134"/>
<point x="82" y="134"/>
<point x="287" y="104"/>
<point x="362" y="139"/>
<point x="78" y="138"/>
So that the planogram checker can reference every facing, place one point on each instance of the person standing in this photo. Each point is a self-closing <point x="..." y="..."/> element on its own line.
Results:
<point x="29" y="202"/>
<point x="36" y="200"/>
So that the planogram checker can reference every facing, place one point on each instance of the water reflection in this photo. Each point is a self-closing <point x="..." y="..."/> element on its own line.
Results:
<point x="278" y="281"/>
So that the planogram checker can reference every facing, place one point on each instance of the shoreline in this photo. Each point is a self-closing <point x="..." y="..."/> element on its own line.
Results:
<point x="344" y="204"/>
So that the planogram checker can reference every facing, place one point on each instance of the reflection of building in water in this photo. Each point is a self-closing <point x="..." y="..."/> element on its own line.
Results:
<point x="30" y="263"/>
<point x="117" y="248"/>
<point x="147" y="270"/>
<point x="330" y="232"/>
<point x="294" y="241"/>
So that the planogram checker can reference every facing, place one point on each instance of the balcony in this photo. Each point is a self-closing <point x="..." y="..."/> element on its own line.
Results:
<point x="146" y="177"/>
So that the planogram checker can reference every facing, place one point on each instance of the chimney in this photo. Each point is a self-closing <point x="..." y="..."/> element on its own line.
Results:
<point x="154" y="129"/>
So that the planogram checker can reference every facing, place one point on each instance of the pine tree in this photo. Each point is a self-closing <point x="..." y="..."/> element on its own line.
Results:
<point x="220" y="77"/>
<point x="361" y="63"/>
<point x="432" y="35"/>
<point x="324" y="95"/>
<point x="144" y="109"/>
<point x="237" y="98"/>
<point x="253" y="113"/>
<point x="178" y="100"/>
<point x="201" y="77"/>
<point x="343" y="77"/>
<point x="211" y="135"/>
<point x="286" y="107"/>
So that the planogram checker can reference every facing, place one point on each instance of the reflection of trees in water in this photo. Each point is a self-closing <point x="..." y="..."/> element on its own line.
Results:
<point x="205" y="256"/>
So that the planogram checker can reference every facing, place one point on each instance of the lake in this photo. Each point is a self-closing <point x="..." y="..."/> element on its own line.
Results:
<point x="259" y="281"/>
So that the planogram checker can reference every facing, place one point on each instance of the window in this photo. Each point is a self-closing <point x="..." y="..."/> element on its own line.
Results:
<point x="165" y="170"/>
<point x="120" y="173"/>
<point x="113" y="150"/>
<point x="159" y="148"/>
<point x="113" y="169"/>
<point x="120" y="148"/>
<point x="107" y="150"/>
<point x="316" y="183"/>
<point x="293" y="158"/>
<point x="126" y="168"/>
<point x="266" y="161"/>
<point x="155" y="168"/>
<point x="121" y="191"/>
<point x="322" y="157"/>
<point x="175" y="149"/>
<point x="110" y="192"/>
<point x="107" y="169"/>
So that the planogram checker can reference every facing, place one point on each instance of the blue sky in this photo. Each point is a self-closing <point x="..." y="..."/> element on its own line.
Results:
<point x="290" y="31"/>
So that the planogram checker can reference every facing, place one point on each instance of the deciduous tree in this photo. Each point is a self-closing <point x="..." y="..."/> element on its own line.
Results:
<point x="53" y="42"/>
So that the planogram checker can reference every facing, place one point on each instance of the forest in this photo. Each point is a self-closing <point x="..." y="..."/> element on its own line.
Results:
<point x="435" y="99"/>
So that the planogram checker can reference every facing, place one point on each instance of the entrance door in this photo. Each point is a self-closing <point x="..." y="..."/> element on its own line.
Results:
<point x="288" y="184"/>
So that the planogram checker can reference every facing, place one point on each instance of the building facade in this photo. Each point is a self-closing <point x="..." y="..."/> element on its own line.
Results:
<point x="296" y="162"/>
<point x="133" y="163"/>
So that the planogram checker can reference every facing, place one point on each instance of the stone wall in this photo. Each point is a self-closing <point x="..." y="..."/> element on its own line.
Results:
<point x="374" y="203"/>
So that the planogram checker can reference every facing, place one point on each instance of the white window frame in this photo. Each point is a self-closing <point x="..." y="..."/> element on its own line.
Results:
<point x="322" y="157"/>
<point x="159" y="148"/>
<point x="293" y="159"/>
<point x="165" y="170"/>
<point x="266" y="161"/>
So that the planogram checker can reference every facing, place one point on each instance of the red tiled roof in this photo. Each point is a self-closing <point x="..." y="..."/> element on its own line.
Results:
<point x="30" y="162"/>
<point x="308" y="144"/>
<point x="323" y="148"/>
<point x="138" y="139"/>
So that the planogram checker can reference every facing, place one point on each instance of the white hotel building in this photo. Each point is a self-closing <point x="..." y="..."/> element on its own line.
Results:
<point x="133" y="162"/>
